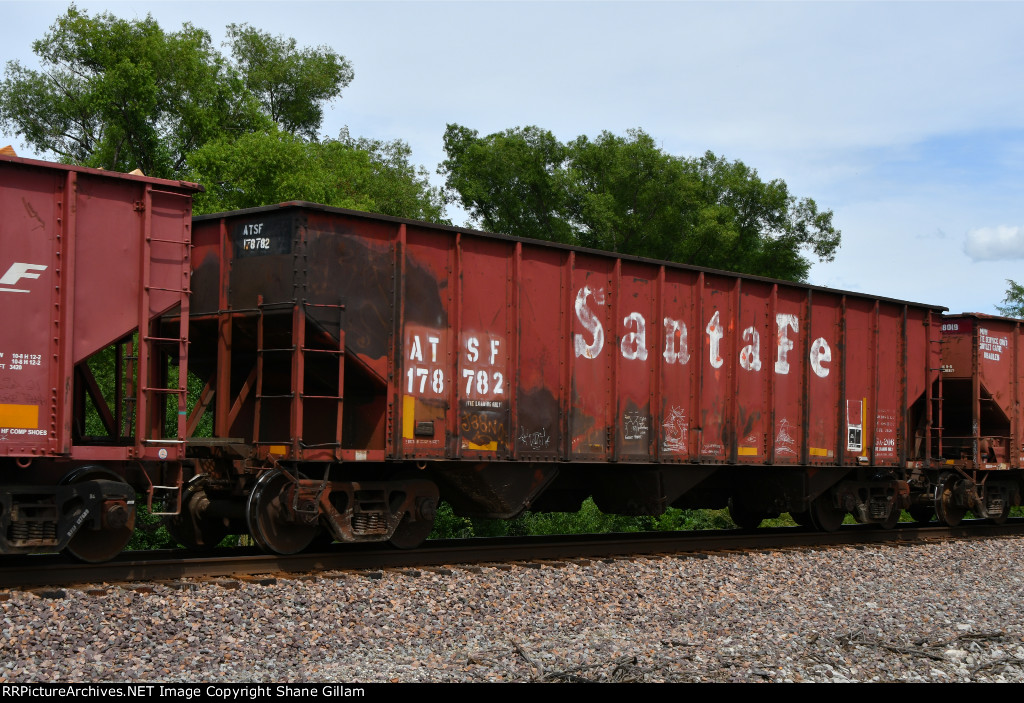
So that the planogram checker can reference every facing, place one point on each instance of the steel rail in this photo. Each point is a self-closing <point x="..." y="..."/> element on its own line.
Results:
<point x="173" y="565"/>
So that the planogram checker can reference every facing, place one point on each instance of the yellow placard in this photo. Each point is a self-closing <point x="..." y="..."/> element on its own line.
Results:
<point x="22" y="417"/>
<point x="408" y="416"/>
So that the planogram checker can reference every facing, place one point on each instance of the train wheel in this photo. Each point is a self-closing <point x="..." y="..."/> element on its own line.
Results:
<point x="267" y="516"/>
<point x="117" y="524"/>
<point x="824" y="516"/>
<point x="893" y="518"/>
<point x="191" y="528"/>
<point x="802" y="518"/>
<point x="744" y="516"/>
<point x="409" y="534"/>
<point x="946" y="508"/>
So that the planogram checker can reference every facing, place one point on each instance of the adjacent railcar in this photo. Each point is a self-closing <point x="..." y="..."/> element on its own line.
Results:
<point x="979" y="430"/>
<point x="85" y="257"/>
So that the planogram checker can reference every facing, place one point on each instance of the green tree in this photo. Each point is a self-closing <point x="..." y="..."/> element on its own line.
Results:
<point x="746" y="224"/>
<point x="274" y="166"/>
<point x="625" y="194"/>
<point x="511" y="182"/>
<point x="120" y="94"/>
<point x="1013" y="303"/>
<point x="291" y="85"/>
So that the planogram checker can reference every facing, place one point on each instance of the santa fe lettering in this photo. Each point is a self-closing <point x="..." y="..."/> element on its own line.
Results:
<point x="633" y="345"/>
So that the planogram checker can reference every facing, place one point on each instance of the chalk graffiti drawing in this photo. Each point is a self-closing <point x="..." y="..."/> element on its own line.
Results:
<point x="784" y="442"/>
<point x="635" y="425"/>
<point x="676" y="430"/>
<point x="538" y="439"/>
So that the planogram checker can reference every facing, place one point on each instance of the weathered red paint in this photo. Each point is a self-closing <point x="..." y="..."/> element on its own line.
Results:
<point x="491" y="348"/>
<point x="87" y="255"/>
<point x="371" y="366"/>
<point x="982" y="408"/>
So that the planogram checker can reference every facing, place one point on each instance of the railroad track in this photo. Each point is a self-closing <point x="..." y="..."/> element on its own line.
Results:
<point x="172" y="565"/>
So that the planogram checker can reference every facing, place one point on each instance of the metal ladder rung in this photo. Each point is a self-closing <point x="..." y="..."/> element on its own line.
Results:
<point x="169" y="290"/>
<point x="300" y="321"/>
<point x="150" y="403"/>
<point x="184" y="243"/>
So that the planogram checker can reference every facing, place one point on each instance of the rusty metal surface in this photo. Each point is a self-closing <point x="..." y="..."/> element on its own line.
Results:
<point x="488" y="348"/>
<point x="52" y="570"/>
<point x="982" y="409"/>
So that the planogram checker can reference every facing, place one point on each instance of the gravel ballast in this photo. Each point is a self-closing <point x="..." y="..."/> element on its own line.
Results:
<point x="935" y="612"/>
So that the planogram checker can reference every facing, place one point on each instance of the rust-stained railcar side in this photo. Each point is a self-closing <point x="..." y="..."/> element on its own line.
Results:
<point x="517" y="373"/>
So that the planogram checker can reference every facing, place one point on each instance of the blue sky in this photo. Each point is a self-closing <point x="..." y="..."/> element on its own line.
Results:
<point x="906" y="119"/>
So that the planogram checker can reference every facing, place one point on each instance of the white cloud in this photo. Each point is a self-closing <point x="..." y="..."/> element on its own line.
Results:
<point x="995" y="243"/>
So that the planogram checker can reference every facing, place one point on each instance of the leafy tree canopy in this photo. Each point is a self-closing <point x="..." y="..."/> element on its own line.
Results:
<point x="625" y="194"/>
<point x="291" y="85"/>
<point x="275" y="166"/>
<point x="1013" y="303"/>
<point x="122" y="94"/>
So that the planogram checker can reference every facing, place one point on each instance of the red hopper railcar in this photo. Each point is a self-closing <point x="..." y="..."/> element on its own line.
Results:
<point x="355" y="369"/>
<point x="392" y="361"/>
<point x="87" y="258"/>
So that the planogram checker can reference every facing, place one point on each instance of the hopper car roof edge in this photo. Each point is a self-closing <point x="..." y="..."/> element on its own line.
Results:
<point x="984" y="316"/>
<point x="102" y="172"/>
<point x="300" y="204"/>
